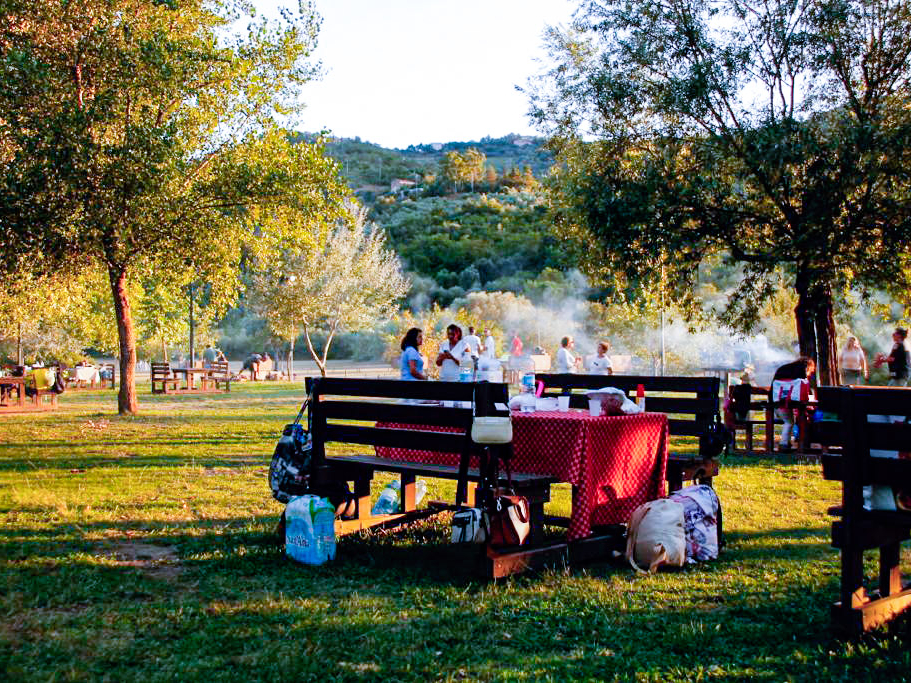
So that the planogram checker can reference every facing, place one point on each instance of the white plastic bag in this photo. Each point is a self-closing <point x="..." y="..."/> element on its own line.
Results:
<point x="656" y="536"/>
<point x="627" y="407"/>
<point x="310" y="529"/>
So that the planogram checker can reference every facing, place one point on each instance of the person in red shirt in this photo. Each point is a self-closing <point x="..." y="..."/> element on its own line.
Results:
<point x="516" y="348"/>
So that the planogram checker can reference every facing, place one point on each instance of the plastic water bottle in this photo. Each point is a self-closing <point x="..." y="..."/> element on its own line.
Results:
<point x="310" y="529"/>
<point x="466" y="369"/>
<point x="528" y="383"/>
<point x="388" y="502"/>
<point x="420" y="490"/>
<point x="640" y="396"/>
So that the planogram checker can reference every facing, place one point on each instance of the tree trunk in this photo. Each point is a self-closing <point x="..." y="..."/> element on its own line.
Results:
<point x="291" y="361"/>
<point x="815" y="318"/>
<point x="804" y="316"/>
<point x="321" y="364"/>
<point x="827" y="349"/>
<point x="126" y="397"/>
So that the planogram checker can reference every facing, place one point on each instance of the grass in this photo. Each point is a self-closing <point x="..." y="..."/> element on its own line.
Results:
<point x="140" y="549"/>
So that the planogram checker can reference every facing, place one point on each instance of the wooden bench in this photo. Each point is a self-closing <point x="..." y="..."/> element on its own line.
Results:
<point x="162" y="377"/>
<point x="108" y="375"/>
<point x="220" y="376"/>
<point x="337" y="401"/>
<point x="694" y="405"/>
<point x="747" y="399"/>
<point x="860" y="421"/>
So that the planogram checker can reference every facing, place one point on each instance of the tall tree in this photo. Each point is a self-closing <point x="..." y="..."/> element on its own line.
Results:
<point x="775" y="132"/>
<point x="138" y="134"/>
<point x="347" y="281"/>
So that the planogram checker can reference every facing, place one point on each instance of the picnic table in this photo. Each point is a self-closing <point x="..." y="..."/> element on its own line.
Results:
<point x="615" y="463"/>
<point x="189" y="377"/>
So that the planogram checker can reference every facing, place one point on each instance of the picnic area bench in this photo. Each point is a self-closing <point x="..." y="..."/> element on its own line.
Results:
<point x="219" y="375"/>
<point x="746" y="401"/>
<point x="870" y="424"/>
<point x="334" y="402"/>
<point x="33" y="392"/>
<point x="162" y="380"/>
<point x="693" y="405"/>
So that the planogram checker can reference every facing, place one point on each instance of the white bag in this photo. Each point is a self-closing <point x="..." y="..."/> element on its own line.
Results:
<point x="468" y="527"/>
<point x="656" y="535"/>
<point x="701" y="511"/>
<point x="790" y="390"/>
<point x="491" y="429"/>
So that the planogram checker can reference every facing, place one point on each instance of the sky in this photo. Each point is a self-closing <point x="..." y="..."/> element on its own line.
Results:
<point x="408" y="72"/>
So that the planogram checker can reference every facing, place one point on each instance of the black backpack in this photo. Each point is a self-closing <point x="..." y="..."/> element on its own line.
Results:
<point x="290" y="467"/>
<point x="716" y="438"/>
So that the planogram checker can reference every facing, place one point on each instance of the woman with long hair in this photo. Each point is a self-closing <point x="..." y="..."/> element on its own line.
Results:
<point x="853" y="363"/>
<point x="412" y="362"/>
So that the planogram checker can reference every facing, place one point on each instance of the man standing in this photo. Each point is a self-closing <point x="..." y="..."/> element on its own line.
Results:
<point x="897" y="359"/>
<point x="473" y="342"/>
<point x="566" y="359"/>
<point x="490" y="344"/>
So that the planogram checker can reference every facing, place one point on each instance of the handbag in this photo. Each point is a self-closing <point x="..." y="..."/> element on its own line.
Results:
<point x="490" y="429"/>
<point x="290" y="466"/>
<point x="508" y="521"/>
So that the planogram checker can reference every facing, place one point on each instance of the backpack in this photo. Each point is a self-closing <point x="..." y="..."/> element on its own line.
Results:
<point x="59" y="386"/>
<point x="290" y="466"/>
<point x="701" y="521"/>
<point x="715" y="439"/>
<point x="656" y="535"/>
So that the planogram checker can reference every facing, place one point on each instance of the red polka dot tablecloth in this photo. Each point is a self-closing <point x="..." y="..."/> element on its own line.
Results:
<point x="615" y="463"/>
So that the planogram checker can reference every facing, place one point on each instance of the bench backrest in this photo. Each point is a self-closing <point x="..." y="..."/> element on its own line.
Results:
<point x="693" y="401"/>
<point x="161" y="370"/>
<point x="861" y="420"/>
<point x="336" y="400"/>
<point x="219" y="368"/>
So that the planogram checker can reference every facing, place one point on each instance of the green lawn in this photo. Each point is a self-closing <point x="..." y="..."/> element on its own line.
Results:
<point x="141" y="549"/>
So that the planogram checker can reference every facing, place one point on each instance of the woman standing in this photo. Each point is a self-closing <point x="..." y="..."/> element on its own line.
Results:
<point x="412" y="362"/>
<point x="451" y="352"/>
<point x="853" y="363"/>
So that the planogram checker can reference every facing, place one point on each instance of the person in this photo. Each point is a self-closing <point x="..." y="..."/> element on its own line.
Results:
<point x="516" y="348"/>
<point x="209" y="356"/>
<point x="853" y="363"/>
<point x="473" y="342"/>
<point x="490" y="344"/>
<point x="251" y="363"/>
<point x="222" y="358"/>
<point x="897" y="359"/>
<point x="412" y="362"/>
<point x="566" y="359"/>
<point x="451" y="352"/>
<point x="601" y="364"/>
<point x="802" y="368"/>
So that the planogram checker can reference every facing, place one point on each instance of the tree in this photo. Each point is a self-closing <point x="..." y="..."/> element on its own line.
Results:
<point x="138" y="136"/>
<point x="348" y="281"/>
<point x="463" y="168"/>
<point x="775" y="133"/>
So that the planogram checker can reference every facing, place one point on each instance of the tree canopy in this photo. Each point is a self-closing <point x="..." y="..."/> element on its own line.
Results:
<point x="775" y="133"/>
<point x="138" y="136"/>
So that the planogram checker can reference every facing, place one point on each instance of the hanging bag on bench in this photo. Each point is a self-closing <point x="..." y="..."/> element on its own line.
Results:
<point x="488" y="430"/>
<point x="291" y="460"/>
<point x="508" y="517"/>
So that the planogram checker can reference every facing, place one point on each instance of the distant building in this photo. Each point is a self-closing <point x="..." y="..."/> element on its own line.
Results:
<point x="522" y="141"/>
<point x="436" y="146"/>
<point x="400" y="184"/>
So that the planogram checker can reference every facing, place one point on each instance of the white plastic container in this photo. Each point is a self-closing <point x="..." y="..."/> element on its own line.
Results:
<point x="310" y="530"/>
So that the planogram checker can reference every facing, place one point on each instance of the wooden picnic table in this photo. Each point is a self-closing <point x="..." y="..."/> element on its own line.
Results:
<point x="190" y="377"/>
<point x="7" y="386"/>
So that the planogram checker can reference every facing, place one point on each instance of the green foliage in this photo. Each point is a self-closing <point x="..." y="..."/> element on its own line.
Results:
<point x="137" y="136"/>
<point x="477" y="241"/>
<point x="690" y="160"/>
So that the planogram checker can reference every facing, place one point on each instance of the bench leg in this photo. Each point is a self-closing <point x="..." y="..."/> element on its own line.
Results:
<point x="408" y="492"/>
<point x="890" y="576"/>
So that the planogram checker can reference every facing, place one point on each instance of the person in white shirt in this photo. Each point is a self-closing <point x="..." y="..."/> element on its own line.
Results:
<point x="451" y="352"/>
<point x="853" y="363"/>
<point x="566" y="359"/>
<point x="474" y="343"/>
<point x="490" y="344"/>
<point x="601" y="364"/>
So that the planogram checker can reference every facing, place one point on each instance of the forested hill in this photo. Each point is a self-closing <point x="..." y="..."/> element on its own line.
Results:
<point x="365" y="163"/>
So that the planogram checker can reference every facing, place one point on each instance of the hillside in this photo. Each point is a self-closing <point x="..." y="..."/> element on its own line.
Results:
<point x="367" y="164"/>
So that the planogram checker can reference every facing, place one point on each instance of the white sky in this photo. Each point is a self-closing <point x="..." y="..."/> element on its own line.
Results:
<point x="403" y="72"/>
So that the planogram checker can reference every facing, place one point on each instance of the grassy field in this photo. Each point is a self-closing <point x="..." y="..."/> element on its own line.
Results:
<point x="141" y="549"/>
